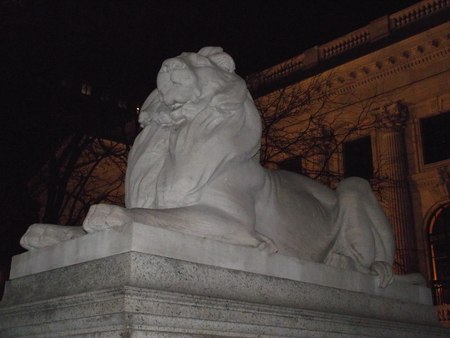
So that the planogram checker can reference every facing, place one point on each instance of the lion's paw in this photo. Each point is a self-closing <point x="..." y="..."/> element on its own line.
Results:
<point x="266" y="244"/>
<point x="103" y="216"/>
<point x="42" y="235"/>
<point x="384" y="271"/>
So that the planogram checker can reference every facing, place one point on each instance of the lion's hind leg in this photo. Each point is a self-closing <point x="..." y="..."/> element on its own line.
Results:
<point x="266" y="243"/>
<point x="365" y="235"/>
<point x="384" y="271"/>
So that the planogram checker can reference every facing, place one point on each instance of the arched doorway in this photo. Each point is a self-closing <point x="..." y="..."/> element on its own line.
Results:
<point x="439" y="246"/>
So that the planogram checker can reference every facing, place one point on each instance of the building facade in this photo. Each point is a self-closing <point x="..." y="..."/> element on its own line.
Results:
<point x="377" y="105"/>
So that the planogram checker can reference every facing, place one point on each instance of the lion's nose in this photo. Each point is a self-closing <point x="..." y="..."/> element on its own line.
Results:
<point x="172" y="64"/>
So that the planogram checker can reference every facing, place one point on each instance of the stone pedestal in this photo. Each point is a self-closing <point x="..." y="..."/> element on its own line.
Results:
<point x="139" y="282"/>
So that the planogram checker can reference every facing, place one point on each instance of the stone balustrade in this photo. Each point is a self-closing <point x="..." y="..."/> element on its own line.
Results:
<point x="376" y="30"/>
<point x="276" y="72"/>
<point x="344" y="43"/>
<point x="416" y="12"/>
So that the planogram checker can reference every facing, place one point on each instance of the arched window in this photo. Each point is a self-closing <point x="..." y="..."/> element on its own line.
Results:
<point x="439" y="244"/>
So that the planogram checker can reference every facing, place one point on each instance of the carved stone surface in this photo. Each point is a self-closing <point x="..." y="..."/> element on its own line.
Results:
<point x="444" y="181"/>
<point x="127" y="282"/>
<point x="393" y="118"/>
<point x="177" y="245"/>
<point x="42" y="235"/>
<point x="194" y="169"/>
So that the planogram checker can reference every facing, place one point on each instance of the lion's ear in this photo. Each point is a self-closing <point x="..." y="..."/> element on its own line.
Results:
<point x="224" y="61"/>
<point x="217" y="55"/>
<point x="207" y="51"/>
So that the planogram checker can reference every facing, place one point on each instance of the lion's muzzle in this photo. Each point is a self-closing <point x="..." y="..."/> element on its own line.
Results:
<point x="172" y="64"/>
<point x="177" y="82"/>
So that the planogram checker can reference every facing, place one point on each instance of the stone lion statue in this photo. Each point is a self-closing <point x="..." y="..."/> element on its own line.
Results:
<point x="195" y="168"/>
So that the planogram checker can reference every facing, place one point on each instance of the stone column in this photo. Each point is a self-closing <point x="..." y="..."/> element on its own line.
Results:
<point x="397" y="197"/>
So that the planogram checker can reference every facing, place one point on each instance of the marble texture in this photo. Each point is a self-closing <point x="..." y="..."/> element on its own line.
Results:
<point x="42" y="235"/>
<point x="194" y="168"/>
<point x="176" y="245"/>
<point x="129" y="282"/>
<point x="135" y="294"/>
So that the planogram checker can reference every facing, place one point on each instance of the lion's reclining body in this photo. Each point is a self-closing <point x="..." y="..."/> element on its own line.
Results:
<point x="194" y="168"/>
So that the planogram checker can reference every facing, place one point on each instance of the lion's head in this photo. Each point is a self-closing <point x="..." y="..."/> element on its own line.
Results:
<point x="199" y="122"/>
<point x="194" y="80"/>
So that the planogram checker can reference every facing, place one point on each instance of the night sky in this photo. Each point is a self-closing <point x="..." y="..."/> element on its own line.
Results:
<point x="124" y="43"/>
<point x="134" y="37"/>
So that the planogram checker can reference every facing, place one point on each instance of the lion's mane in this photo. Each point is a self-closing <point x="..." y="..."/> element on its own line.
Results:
<point x="185" y="146"/>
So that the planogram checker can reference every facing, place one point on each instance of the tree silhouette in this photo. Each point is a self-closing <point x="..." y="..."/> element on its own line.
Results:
<point x="322" y="129"/>
<point x="307" y="126"/>
<point x="85" y="170"/>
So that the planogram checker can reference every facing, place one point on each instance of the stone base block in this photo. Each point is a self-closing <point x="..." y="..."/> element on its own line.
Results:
<point x="129" y="290"/>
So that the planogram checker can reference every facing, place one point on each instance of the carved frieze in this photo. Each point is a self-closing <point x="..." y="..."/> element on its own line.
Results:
<point x="405" y="61"/>
<point x="443" y="185"/>
<point x="435" y="182"/>
<point x="422" y="51"/>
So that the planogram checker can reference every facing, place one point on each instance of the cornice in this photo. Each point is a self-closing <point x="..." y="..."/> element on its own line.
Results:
<point x="388" y="31"/>
<point x="386" y="66"/>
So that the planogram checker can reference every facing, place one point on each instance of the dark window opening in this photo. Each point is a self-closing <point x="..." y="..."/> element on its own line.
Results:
<point x="435" y="138"/>
<point x="358" y="158"/>
<point x="439" y="246"/>
<point x="293" y="164"/>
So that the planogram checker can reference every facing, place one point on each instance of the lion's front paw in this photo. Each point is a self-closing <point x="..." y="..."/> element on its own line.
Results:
<point x="384" y="271"/>
<point x="104" y="216"/>
<point x="42" y="235"/>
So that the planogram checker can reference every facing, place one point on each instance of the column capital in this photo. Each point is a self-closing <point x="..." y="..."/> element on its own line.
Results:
<point x="392" y="117"/>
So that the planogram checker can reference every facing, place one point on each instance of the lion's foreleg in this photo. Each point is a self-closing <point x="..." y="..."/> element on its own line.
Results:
<point x="195" y="220"/>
